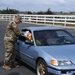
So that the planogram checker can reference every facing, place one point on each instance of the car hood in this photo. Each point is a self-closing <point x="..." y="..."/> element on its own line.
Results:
<point x="61" y="52"/>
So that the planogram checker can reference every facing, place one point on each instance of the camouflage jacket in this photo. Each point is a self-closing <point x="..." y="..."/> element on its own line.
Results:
<point x="12" y="32"/>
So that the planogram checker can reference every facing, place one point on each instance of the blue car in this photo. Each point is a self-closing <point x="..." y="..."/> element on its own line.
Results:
<point x="51" y="50"/>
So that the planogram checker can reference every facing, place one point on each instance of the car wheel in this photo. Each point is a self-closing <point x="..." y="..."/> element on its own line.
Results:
<point x="41" y="67"/>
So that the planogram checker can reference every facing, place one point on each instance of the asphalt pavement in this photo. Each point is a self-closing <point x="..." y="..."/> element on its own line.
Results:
<point x="23" y="69"/>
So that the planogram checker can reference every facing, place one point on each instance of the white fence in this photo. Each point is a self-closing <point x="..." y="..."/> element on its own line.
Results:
<point x="55" y="20"/>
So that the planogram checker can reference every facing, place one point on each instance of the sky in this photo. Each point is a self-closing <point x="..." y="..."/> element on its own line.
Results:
<point x="39" y="5"/>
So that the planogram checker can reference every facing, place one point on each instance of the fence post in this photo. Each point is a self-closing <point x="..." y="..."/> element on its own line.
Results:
<point x="36" y="19"/>
<point x="44" y="19"/>
<point x="29" y="18"/>
<point x="65" y="22"/>
<point x="53" y="20"/>
<point x="2" y="17"/>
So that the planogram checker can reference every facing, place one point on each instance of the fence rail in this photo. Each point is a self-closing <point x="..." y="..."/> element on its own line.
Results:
<point x="55" y="20"/>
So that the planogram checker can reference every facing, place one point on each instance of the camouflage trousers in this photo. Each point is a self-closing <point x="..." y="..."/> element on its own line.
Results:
<point x="10" y="52"/>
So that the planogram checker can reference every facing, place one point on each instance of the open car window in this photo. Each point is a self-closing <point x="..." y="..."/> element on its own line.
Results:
<point x="22" y="37"/>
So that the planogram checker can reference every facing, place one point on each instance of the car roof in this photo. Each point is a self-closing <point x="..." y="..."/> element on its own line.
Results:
<point x="43" y="28"/>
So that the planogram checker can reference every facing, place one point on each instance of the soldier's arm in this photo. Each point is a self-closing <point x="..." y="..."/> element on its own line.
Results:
<point x="16" y="30"/>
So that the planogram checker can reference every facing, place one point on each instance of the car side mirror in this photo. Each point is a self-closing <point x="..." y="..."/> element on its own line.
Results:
<point x="29" y="42"/>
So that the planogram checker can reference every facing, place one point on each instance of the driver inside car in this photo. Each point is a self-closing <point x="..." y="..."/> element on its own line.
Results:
<point x="28" y="36"/>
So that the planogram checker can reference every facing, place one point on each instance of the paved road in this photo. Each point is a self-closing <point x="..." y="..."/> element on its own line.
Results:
<point x="24" y="69"/>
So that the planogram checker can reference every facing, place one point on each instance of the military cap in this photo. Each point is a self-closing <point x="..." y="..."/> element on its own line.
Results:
<point x="19" y="17"/>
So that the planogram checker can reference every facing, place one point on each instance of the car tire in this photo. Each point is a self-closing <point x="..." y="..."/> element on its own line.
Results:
<point x="41" y="68"/>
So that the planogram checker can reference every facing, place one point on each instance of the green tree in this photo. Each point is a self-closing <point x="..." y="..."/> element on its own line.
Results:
<point x="29" y="12"/>
<point x="9" y="11"/>
<point x="40" y="12"/>
<point x="49" y="11"/>
<point x="0" y="11"/>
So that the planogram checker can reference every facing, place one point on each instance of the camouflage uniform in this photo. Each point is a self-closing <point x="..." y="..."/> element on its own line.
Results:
<point x="9" y="40"/>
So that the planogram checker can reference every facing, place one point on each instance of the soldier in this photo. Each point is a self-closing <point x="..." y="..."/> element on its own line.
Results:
<point x="11" y="34"/>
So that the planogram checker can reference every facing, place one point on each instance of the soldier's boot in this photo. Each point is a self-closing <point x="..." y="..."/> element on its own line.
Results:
<point x="6" y="67"/>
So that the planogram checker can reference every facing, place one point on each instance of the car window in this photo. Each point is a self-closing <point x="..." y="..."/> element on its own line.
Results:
<point x="44" y="37"/>
<point x="22" y="38"/>
<point x="65" y="35"/>
<point x="53" y="37"/>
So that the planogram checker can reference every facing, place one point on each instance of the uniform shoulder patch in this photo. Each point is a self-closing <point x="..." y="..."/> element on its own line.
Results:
<point x="14" y="26"/>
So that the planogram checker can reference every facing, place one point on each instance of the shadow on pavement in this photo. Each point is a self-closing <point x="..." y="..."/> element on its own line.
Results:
<point x="13" y="73"/>
<point x="1" y="63"/>
<point x="25" y="65"/>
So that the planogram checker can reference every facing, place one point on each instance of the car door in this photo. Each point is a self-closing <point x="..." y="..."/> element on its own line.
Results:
<point x="25" y="51"/>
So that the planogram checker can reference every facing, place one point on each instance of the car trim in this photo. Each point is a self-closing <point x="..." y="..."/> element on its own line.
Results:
<point x="61" y="69"/>
<point x="26" y="62"/>
<point x="25" y="54"/>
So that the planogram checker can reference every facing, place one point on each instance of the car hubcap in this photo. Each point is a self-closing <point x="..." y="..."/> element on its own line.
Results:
<point x="41" y="69"/>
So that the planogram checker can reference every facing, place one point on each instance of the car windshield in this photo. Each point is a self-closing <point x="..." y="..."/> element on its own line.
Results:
<point x="53" y="37"/>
